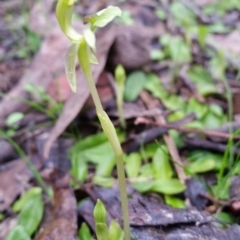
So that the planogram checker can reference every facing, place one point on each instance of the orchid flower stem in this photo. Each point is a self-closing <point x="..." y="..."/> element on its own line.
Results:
<point x="110" y="132"/>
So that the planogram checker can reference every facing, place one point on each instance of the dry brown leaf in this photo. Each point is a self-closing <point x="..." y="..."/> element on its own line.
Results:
<point x="14" y="177"/>
<point x="229" y="43"/>
<point x="63" y="224"/>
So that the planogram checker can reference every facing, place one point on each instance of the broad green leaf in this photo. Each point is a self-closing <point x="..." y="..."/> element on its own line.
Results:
<point x="88" y="142"/>
<point x="199" y="109"/>
<point x="200" y="166"/>
<point x="106" y="15"/>
<point x="174" y="202"/>
<point x="31" y="214"/>
<point x="167" y="186"/>
<point x="146" y="170"/>
<point x="18" y="233"/>
<point x="31" y="193"/>
<point x="157" y="55"/>
<point x="103" y="156"/>
<point x="216" y="109"/>
<point x="176" y="116"/>
<point x="170" y="103"/>
<point x="225" y="217"/>
<point x="143" y="186"/>
<point x="150" y="149"/>
<point x="211" y="121"/>
<point x="161" y="166"/>
<point x="70" y="65"/>
<point x="103" y="181"/>
<point x="90" y="38"/>
<point x="79" y="168"/>
<point x="176" y="48"/>
<point x="198" y="74"/>
<point x="84" y="233"/>
<point x="13" y="118"/>
<point x="134" y="84"/>
<point x="154" y="86"/>
<point x="132" y="165"/>
<point x="115" y="231"/>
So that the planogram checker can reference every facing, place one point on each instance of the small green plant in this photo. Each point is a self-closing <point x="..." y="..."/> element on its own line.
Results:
<point x="120" y="77"/>
<point x="114" y="232"/>
<point x="81" y="48"/>
<point x="30" y="208"/>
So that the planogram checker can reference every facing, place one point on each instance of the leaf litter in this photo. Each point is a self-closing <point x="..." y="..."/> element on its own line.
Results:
<point x="187" y="97"/>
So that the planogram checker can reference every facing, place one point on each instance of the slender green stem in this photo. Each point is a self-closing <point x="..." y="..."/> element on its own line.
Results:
<point x="110" y="131"/>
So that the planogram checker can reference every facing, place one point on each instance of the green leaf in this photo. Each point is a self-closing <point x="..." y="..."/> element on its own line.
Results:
<point x="115" y="231"/>
<point x="146" y="170"/>
<point x="201" y="166"/>
<point x="174" y="202"/>
<point x="88" y="142"/>
<point x="90" y="38"/>
<point x="143" y="186"/>
<point x="84" y="232"/>
<point x="161" y="166"/>
<point x="79" y="168"/>
<point x="196" y="107"/>
<point x="170" y="103"/>
<point x="154" y="85"/>
<point x="31" y="193"/>
<point x="176" y="48"/>
<point x="120" y="75"/>
<point x="211" y="121"/>
<point x="18" y="233"/>
<point x="134" y="84"/>
<point x="31" y="214"/>
<point x="99" y="212"/>
<point x="70" y="65"/>
<point x="14" y="118"/>
<point x="133" y="163"/>
<point x="161" y="14"/>
<point x="102" y="231"/>
<point x="106" y="15"/>
<point x="125" y="19"/>
<point x="103" y="156"/>
<point x="103" y="181"/>
<point x="157" y="54"/>
<point x="167" y="186"/>
<point x="182" y="15"/>
<point x="202" y="35"/>
<point x="225" y="217"/>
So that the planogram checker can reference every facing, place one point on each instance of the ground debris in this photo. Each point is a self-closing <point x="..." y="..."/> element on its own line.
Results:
<point x="62" y="224"/>
<point x="150" y="219"/>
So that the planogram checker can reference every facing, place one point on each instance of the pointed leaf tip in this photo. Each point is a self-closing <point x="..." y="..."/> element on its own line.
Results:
<point x="70" y="65"/>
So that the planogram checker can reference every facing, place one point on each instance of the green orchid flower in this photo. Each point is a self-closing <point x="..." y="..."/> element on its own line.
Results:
<point x="82" y="48"/>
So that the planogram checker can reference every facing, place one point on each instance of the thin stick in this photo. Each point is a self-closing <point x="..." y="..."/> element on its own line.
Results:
<point x="177" y="163"/>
